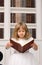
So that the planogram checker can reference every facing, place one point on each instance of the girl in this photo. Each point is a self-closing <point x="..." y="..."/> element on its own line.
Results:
<point x="21" y="34"/>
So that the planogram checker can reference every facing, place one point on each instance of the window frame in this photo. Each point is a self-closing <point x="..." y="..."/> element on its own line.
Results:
<point x="7" y="25"/>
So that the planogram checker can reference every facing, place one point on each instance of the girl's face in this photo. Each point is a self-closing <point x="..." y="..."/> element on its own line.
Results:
<point x="21" y="32"/>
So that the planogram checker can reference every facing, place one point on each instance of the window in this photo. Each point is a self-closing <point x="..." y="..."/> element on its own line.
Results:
<point x="28" y="18"/>
<point x="1" y="3"/>
<point x="1" y="19"/>
<point x="23" y="3"/>
<point x="12" y="18"/>
<point x="27" y="11"/>
<point x="1" y="33"/>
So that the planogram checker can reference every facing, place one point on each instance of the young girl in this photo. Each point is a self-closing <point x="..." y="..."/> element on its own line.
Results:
<point x="20" y="35"/>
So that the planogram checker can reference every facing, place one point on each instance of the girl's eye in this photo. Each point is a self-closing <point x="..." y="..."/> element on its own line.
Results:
<point x="22" y="31"/>
<point x="19" y="31"/>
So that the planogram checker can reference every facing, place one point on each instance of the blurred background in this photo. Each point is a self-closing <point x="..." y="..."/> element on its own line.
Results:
<point x="14" y="11"/>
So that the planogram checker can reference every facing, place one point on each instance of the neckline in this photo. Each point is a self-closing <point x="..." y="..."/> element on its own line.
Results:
<point x="21" y="39"/>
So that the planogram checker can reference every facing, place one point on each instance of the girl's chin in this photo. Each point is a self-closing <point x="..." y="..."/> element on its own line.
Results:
<point x="21" y="37"/>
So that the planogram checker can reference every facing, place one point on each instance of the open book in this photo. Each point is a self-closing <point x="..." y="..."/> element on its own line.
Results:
<point x="22" y="45"/>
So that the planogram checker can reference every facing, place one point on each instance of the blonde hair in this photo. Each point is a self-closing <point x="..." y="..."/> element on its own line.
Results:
<point x="17" y="27"/>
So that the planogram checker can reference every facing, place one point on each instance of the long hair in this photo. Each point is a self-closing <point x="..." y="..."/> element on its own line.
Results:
<point x="17" y="27"/>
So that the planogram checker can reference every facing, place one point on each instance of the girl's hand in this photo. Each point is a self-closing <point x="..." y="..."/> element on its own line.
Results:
<point x="8" y="45"/>
<point x="35" y="47"/>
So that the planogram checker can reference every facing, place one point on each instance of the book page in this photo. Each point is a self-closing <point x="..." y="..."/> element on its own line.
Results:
<point x="22" y="42"/>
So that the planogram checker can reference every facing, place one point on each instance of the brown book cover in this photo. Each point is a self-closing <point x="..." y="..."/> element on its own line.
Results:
<point x="22" y="47"/>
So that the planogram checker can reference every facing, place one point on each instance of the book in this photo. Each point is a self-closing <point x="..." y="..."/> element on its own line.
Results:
<point x="22" y="45"/>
